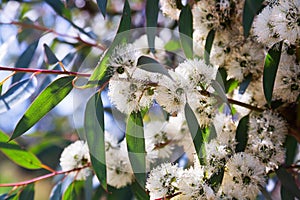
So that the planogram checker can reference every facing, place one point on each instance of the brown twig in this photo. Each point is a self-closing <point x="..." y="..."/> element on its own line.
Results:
<point x="245" y="105"/>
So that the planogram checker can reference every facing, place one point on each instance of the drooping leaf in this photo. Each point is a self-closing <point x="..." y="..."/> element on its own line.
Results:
<point x="24" y="60"/>
<point x="208" y="45"/>
<point x="94" y="132"/>
<point x="270" y="69"/>
<point x="51" y="58"/>
<point x="196" y="131"/>
<point x="59" y="8"/>
<point x="216" y="179"/>
<point x="56" y="192"/>
<point x="139" y="192"/>
<point x="245" y="83"/>
<point x="27" y="192"/>
<point x="102" y="6"/>
<point x="288" y="182"/>
<point x="46" y="101"/>
<point x="286" y="195"/>
<point x="220" y="91"/>
<point x="151" y="17"/>
<point x="251" y="8"/>
<point x="242" y="134"/>
<point x="136" y="146"/>
<point x="186" y="30"/>
<point x="70" y="192"/>
<point x="18" y="155"/>
<point x="291" y="149"/>
<point x="100" y="75"/>
<point x="17" y="93"/>
<point x="151" y="65"/>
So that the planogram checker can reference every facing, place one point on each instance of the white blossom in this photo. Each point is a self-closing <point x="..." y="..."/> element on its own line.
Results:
<point x="170" y="8"/>
<point x="76" y="155"/>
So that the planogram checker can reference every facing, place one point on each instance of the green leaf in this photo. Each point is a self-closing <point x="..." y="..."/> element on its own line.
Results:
<point x="17" y="93"/>
<point x="1" y="89"/>
<point x="59" y="8"/>
<point x="172" y="45"/>
<point x="245" y="83"/>
<point x="220" y="91"/>
<point x="291" y="149"/>
<point x="94" y="130"/>
<point x="24" y="60"/>
<point x="186" y="30"/>
<point x="19" y="156"/>
<point x="27" y="193"/>
<point x="136" y="146"/>
<point x="197" y="133"/>
<point x="46" y="101"/>
<point x="286" y="195"/>
<point x="74" y="191"/>
<point x="151" y="65"/>
<point x="242" y="134"/>
<point x="216" y="179"/>
<point x="151" y="17"/>
<point x="251" y="8"/>
<point x="139" y="192"/>
<point x="288" y="182"/>
<point x="100" y="75"/>
<point x="231" y="85"/>
<point x="270" y="69"/>
<point x="56" y="192"/>
<point x="208" y="45"/>
<point x="51" y="58"/>
<point x="102" y="6"/>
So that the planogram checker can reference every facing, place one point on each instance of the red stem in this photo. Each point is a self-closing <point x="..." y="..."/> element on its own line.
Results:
<point x="41" y="177"/>
<point x="42" y="71"/>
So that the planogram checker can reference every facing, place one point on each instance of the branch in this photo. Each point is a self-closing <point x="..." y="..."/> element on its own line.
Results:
<point x="245" y="105"/>
<point x="45" y="29"/>
<point x="43" y="71"/>
<point x="18" y="184"/>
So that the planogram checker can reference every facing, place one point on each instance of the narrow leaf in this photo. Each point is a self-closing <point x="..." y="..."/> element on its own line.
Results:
<point x="151" y="17"/>
<point x="56" y="192"/>
<point x="196" y="132"/>
<point x="51" y="58"/>
<point x="220" y="91"/>
<point x="186" y="31"/>
<point x="208" y="45"/>
<point x="100" y="75"/>
<point x="251" y="8"/>
<point x="216" y="179"/>
<point x="19" y="156"/>
<point x="46" y="101"/>
<point x="288" y="182"/>
<point x="245" y="83"/>
<point x="17" y="93"/>
<point x="102" y="6"/>
<point x="24" y="60"/>
<point x="94" y="130"/>
<point x="151" y="65"/>
<point x="27" y="193"/>
<point x="291" y="149"/>
<point x="136" y="146"/>
<point x="270" y="69"/>
<point x="139" y="192"/>
<point x="59" y="8"/>
<point x="242" y="134"/>
<point x="286" y="195"/>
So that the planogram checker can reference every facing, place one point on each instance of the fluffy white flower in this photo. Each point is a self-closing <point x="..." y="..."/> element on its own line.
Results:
<point x="171" y="94"/>
<point x="286" y="17"/>
<point x="76" y="155"/>
<point x="163" y="181"/>
<point x="246" y="59"/>
<point x="123" y="60"/>
<point x="287" y="84"/>
<point x="197" y="73"/>
<point x="119" y="171"/>
<point x="263" y="28"/>
<point x="170" y="8"/>
<point x="267" y="132"/>
<point x="129" y="95"/>
<point x="192" y="185"/>
<point x="243" y="177"/>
